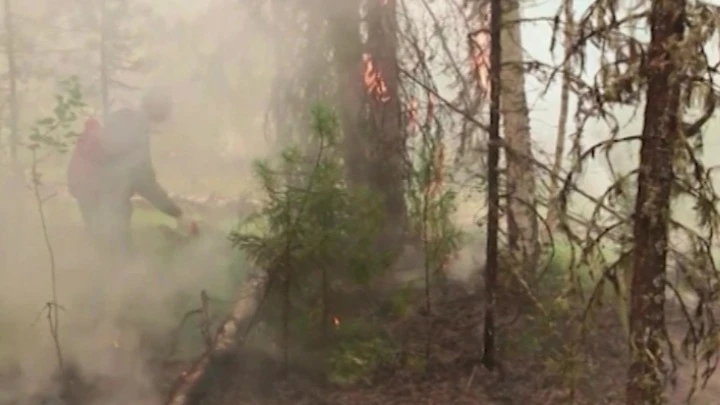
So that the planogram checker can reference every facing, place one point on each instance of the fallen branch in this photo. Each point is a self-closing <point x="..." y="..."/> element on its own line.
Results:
<point x="191" y="385"/>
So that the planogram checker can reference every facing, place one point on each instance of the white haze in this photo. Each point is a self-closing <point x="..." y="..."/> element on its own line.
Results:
<point x="214" y="131"/>
<point x="210" y="123"/>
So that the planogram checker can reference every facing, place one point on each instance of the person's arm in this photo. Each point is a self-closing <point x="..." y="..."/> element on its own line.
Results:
<point x="148" y="187"/>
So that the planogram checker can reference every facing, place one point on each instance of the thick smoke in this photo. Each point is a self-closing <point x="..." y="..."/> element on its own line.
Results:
<point x="205" y="149"/>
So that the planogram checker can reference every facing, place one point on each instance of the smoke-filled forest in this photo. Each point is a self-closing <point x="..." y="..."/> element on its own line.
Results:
<point x="359" y="202"/>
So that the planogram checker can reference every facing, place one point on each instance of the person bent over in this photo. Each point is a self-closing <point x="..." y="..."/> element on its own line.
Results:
<point x="110" y="164"/>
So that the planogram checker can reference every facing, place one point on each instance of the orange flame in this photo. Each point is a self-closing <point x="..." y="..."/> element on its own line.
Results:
<point x="373" y="80"/>
<point x="336" y="321"/>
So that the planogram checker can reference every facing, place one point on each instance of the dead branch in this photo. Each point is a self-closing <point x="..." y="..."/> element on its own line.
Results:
<point x="190" y="385"/>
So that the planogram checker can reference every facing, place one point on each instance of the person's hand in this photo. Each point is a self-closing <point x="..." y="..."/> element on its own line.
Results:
<point x="187" y="226"/>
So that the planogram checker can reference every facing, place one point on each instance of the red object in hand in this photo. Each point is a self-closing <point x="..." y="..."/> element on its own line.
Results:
<point x="194" y="231"/>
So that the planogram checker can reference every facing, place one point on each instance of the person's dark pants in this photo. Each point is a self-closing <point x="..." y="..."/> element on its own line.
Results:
<point x="107" y="224"/>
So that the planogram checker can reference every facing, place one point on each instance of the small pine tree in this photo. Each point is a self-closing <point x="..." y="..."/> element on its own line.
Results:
<point x="317" y="237"/>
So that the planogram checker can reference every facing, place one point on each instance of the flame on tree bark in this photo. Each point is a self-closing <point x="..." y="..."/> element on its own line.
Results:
<point x="645" y="383"/>
<point x="386" y="172"/>
<point x="349" y="66"/>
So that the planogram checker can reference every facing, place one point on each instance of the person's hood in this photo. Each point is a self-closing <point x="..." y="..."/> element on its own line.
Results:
<point x="125" y="130"/>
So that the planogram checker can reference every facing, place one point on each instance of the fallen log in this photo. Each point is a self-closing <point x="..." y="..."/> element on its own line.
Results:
<point x="192" y="384"/>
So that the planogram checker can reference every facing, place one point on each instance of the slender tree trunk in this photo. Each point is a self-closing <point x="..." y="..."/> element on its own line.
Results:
<point x="12" y="72"/>
<point x="104" y="72"/>
<point x="491" y="267"/>
<point x="553" y="200"/>
<point x="17" y="178"/>
<point x="522" y="222"/>
<point x="15" y="187"/>
<point x="645" y="385"/>
<point x="388" y="156"/>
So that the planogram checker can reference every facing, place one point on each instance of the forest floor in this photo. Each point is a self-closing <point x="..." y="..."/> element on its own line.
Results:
<point x="454" y="374"/>
<point x="539" y="365"/>
<point x="531" y="375"/>
<point x="534" y="369"/>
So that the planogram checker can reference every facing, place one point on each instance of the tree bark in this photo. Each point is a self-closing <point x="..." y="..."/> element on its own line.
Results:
<point x="12" y="98"/>
<point x="385" y="126"/>
<point x="347" y="57"/>
<point x="104" y="71"/>
<point x="491" y="247"/>
<point x="553" y="214"/>
<point x="522" y="222"/>
<point x="13" y="216"/>
<point x="645" y="384"/>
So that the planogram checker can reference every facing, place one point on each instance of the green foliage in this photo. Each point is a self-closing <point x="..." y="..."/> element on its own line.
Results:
<point x="360" y="352"/>
<point x="55" y="131"/>
<point x="318" y="236"/>
<point x="400" y="303"/>
<point x="431" y="206"/>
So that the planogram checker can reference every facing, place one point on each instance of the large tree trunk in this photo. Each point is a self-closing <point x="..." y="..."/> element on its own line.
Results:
<point x="347" y="57"/>
<point x="645" y="385"/>
<point x="385" y="120"/>
<point x="522" y="222"/>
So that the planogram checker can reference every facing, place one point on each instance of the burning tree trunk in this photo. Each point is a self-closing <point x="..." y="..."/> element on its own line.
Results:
<point x="385" y="120"/>
<point x="347" y="56"/>
<point x="645" y="383"/>
<point x="522" y="222"/>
